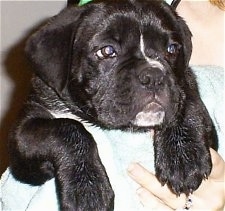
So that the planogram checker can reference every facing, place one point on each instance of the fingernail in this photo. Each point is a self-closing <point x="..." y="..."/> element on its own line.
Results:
<point x="131" y="167"/>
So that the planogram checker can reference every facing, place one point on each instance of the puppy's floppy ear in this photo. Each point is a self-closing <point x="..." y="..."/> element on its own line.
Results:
<point x="187" y="43"/>
<point x="186" y="35"/>
<point x="50" y="48"/>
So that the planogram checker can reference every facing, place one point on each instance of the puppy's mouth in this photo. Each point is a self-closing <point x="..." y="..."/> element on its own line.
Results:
<point x="152" y="114"/>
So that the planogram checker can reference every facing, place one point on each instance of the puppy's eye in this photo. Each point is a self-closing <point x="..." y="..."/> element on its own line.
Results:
<point x="173" y="48"/>
<point x="106" y="52"/>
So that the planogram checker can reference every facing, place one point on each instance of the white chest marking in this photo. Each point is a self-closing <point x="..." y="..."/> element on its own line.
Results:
<point x="66" y="115"/>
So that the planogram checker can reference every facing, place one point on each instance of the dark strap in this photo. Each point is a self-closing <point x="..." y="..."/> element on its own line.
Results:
<point x="72" y="2"/>
<point x="175" y="3"/>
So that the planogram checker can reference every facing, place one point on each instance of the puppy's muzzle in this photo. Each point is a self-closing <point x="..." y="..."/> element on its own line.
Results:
<point x="152" y="114"/>
<point x="151" y="77"/>
<point x="152" y="80"/>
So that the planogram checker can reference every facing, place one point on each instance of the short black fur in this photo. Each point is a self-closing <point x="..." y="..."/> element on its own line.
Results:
<point x="111" y="91"/>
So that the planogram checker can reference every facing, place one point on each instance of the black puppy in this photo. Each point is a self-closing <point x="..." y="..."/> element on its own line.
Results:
<point x="116" y="65"/>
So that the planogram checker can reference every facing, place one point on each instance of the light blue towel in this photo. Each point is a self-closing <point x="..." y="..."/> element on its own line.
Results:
<point x="211" y="86"/>
<point x="117" y="150"/>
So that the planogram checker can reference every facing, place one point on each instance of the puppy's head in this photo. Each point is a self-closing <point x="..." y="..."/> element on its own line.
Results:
<point x="122" y="63"/>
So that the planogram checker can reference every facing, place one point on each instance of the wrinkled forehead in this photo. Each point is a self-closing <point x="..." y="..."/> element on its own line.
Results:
<point x="121" y="23"/>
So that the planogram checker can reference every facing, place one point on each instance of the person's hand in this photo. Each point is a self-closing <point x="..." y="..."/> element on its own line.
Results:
<point x="209" y="196"/>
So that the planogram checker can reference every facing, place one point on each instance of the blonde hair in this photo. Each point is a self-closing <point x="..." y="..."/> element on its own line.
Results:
<point x="218" y="3"/>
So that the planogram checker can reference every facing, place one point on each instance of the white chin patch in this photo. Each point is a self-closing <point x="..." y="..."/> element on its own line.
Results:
<point x="152" y="115"/>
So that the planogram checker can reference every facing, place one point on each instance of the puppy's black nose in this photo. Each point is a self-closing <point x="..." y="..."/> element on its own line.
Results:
<point x="151" y="77"/>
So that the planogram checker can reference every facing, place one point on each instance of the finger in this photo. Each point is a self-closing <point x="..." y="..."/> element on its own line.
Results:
<point x="218" y="170"/>
<point x="143" y="176"/>
<point x="148" y="180"/>
<point x="151" y="202"/>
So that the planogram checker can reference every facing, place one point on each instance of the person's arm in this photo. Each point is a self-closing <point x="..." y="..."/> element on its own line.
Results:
<point x="209" y="196"/>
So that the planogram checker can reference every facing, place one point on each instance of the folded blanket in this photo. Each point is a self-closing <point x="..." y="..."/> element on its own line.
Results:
<point x="117" y="149"/>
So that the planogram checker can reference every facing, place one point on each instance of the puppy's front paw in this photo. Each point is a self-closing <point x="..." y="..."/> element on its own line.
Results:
<point x="89" y="195"/>
<point x="94" y="195"/>
<point x="183" y="168"/>
<point x="89" y="189"/>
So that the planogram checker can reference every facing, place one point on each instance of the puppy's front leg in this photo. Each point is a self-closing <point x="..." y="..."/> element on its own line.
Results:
<point x="182" y="158"/>
<point x="81" y="178"/>
<point x="42" y="148"/>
